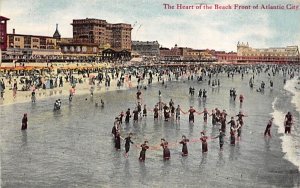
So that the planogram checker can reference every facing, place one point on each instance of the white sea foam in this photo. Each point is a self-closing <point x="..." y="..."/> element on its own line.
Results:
<point x="289" y="142"/>
<point x="293" y="86"/>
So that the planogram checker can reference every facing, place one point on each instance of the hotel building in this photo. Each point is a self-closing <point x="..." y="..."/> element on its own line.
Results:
<point x="246" y="54"/>
<point x="96" y="31"/>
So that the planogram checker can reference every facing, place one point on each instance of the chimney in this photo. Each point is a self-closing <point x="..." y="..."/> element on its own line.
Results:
<point x="14" y="31"/>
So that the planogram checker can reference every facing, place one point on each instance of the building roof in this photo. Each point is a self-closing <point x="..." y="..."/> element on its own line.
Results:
<point x="3" y="18"/>
<point x="10" y="34"/>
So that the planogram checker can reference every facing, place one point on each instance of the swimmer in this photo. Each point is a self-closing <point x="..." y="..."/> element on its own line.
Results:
<point x="143" y="151"/>
<point x="268" y="128"/>
<point x="145" y="111"/>
<point x="204" y="142"/>
<point x="121" y="117"/>
<point x="221" y="138"/>
<point x="214" y="117"/>
<point x="155" y="111"/>
<point x="118" y="140"/>
<point x="232" y="136"/>
<point x="232" y="123"/>
<point x="191" y="112"/>
<point x="166" y="151"/>
<point x="138" y="95"/>
<point x="33" y="97"/>
<point x="166" y="112"/>
<point x="205" y="114"/>
<point x="102" y="103"/>
<point x="240" y="117"/>
<point x="184" y="142"/>
<point x="241" y="98"/>
<point x="288" y="121"/>
<point x="135" y="115"/>
<point x="127" y="144"/>
<point x="24" y="122"/>
<point x="127" y="115"/>
<point x="177" y="111"/>
<point x="200" y="93"/>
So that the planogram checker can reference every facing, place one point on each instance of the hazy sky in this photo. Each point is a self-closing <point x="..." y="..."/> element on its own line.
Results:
<point x="213" y="29"/>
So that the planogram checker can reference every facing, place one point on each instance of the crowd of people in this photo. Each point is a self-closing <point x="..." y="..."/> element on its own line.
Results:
<point x="168" y="111"/>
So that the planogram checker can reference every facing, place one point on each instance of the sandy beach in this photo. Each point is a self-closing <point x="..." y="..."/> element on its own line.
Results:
<point x="57" y="92"/>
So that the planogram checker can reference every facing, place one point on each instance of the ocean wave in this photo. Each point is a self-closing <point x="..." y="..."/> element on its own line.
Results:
<point x="293" y="86"/>
<point x="289" y="143"/>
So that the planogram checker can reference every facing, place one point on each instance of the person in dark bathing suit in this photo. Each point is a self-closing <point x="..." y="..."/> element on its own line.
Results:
<point x="214" y="117"/>
<point x="184" y="142"/>
<point x="24" y="122"/>
<point x="166" y="113"/>
<point x="127" y="144"/>
<point x="143" y="151"/>
<point x="204" y="142"/>
<point x="145" y="111"/>
<point x="121" y="117"/>
<point x="128" y="115"/>
<point x="268" y="128"/>
<point x="178" y="110"/>
<point x="138" y="95"/>
<point x="135" y="115"/>
<point x="205" y="115"/>
<point x="240" y="118"/>
<point x="118" y="140"/>
<point x="232" y="135"/>
<point x="288" y="121"/>
<point x="223" y="123"/>
<point x="191" y="114"/>
<point x="166" y="151"/>
<point x="221" y="138"/>
<point x="155" y="110"/>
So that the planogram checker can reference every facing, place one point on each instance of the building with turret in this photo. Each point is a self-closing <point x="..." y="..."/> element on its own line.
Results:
<point x="247" y="54"/>
<point x="56" y="34"/>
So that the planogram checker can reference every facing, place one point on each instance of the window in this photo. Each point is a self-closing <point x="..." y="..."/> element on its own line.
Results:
<point x="65" y="49"/>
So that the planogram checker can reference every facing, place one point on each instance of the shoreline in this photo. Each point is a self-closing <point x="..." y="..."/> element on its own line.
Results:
<point x="288" y="145"/>
<point x="81" y="89"/>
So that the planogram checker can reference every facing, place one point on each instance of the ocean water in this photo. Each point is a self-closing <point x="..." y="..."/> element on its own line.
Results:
<point x="74" y="147"/>
<point x="289" y="100"/>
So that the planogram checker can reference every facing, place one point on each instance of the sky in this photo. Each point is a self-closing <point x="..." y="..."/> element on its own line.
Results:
<point x="200" y="29"/>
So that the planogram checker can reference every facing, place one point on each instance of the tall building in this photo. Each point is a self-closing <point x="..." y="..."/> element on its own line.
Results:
<point x="106" y="35"/>
<point x="3" y="32"/>
<point x="146" y="48"/>
<point x="245" y="53"/>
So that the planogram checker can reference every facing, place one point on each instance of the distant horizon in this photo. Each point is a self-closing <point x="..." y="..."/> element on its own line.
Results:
<point x="219" y="30"/>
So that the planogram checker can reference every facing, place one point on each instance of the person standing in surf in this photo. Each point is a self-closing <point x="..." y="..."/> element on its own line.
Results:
<point x="127" y="144"/>
<point x="184" y="142"/>
<point x="221" y="138"/>
<point x="143" y="151"/>
<point x="268" y="128"/>
<point x="204" y="142"/>
<point x="24" y="122"/>
<point x="288" y="121"/>
<point x="166" y="151"/>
